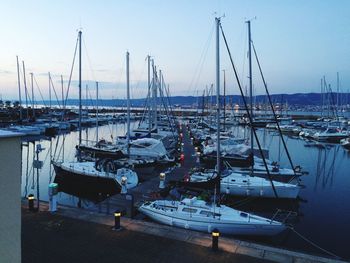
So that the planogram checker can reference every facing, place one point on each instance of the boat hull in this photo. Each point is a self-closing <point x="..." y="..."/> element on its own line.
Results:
<point x="208" y="226"/>
<point x="210" y="160"/>
<point x="263" y="191"/>
<point x="86" y="186"/>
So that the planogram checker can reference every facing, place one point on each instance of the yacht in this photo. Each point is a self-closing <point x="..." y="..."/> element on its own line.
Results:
<point x="198" y="215"/>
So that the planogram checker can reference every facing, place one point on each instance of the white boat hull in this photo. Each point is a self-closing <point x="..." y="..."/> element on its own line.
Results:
<point x="207" y="225"/>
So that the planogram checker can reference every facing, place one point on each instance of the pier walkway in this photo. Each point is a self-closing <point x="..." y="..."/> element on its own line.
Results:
<point x="145" y="189"/>
<point x="78" y="235"/>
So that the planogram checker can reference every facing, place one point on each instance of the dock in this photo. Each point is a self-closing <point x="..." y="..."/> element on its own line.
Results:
<point x="146" y="189"/>
<point x="92" y="239"/>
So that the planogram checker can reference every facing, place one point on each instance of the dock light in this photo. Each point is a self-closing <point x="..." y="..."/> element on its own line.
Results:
<point x="123" y="183"/>
<point x="196" y="149"/>
<point x="31" y="202"/>
<point x="215" y="239"/>
<point x="182" y="159"/>
<point x="182" y="146"/>
<point x="117" y="215"/>
<point x="161" y="180"/>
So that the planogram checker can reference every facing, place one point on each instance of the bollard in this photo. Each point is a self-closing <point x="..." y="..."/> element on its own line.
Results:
<point x="182" y="147"/>
<point x="53" y="191"/>
<point x="198" y="159"/>
<point x="117" y="215"/>
<point x="31" y="202"/>
<point x="161" y="180"/>
<point x="215" y="239"/>
<point x="123" y="183"/>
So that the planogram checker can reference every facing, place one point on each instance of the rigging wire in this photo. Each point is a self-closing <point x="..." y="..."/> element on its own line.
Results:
<point x="41" y="95"/>
<point x="248" y="113"/>
<point x="71" y="72"/>
<point x="54" y="91"/>
<point x="273" y="110"/>
<point x="202" y="59"/>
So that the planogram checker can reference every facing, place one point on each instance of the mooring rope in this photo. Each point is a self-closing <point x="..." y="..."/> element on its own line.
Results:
<point x="313" y="244"/>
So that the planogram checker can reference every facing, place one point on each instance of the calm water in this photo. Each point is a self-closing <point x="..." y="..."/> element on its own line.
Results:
<point x="323" y="212"/>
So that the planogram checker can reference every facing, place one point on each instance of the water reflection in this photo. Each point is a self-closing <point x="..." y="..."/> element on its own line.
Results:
<point x="326" y="165"/>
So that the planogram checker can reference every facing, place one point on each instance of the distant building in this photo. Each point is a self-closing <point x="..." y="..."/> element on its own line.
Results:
<point x="10" y="196"/>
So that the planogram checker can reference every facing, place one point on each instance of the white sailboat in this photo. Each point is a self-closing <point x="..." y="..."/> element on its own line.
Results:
<point x="194" y="214"/>
<point x="198" y="215"/>
<point x="240" y="184"/>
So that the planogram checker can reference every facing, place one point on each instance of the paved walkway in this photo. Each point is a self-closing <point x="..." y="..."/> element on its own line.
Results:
<point x="54" y="238"/>
<point x="78" y="235"/>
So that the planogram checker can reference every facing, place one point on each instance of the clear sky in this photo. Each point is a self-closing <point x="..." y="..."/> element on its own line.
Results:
<point x="297" y="41"/>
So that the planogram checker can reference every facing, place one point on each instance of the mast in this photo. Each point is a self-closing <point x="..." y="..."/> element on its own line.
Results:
<point x="218" y="95"/>
<point x="80" y="106"/>
<point x="25" y="88"/>
<point x="149" y="93"/>
<point x="251" y="92"/>
<point x="160" y="93"/>
<point x="62" y="98"/>
<point x="50" y="99"/>
<point x="154" y="95"/>
<point x="96" y="111"/>
<point x="128" y="101"/>
<point x="19" y="92"/>
<point x="337" y="93"/>
<point x="31" y="79"/>
<point x="322" y="97"/>
<point x="224" y="99"/>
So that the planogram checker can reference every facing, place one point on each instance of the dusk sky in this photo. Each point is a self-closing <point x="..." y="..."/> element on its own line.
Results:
<point x="297" y="42"/>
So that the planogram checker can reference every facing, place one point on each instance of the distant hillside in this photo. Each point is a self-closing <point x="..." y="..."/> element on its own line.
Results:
<point x="298" y="99"/>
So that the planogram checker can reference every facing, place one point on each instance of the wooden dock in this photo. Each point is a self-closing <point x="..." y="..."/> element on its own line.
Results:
<point x="148" y="189"/>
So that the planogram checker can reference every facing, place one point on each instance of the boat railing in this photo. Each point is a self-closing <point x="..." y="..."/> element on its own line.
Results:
<point x="283" y="216"/>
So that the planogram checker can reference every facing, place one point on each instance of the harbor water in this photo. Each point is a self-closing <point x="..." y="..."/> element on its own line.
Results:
<point x="322" y="212"/>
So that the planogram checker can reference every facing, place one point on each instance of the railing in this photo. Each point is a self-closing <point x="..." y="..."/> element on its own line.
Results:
<point x="284" y="214"/>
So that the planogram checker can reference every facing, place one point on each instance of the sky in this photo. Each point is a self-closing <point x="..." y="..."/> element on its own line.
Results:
<point x="298" y="42"/>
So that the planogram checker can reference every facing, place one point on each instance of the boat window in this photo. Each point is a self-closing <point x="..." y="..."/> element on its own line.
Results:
<point x="206" y="213"/>
<point x="233" y="180"/>
<point x="189" y="210"/>
<point x="243" y="214"/>
<point x="244" y="181"/>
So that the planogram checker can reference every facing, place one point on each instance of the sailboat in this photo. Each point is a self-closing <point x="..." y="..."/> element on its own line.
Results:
<point x="240" y="184"/>
<point x="249" y="182"/>
<point x="198" y="215"/>
<point x="88" y="176"/>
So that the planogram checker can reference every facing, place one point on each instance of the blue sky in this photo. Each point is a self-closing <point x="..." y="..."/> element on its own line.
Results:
<point x="297" y="41"/>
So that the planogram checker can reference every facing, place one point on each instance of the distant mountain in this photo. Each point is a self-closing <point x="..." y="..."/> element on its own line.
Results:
<point x="297" y="99"/>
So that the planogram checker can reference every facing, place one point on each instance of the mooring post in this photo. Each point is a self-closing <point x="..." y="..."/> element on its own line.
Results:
<point x="215" y="239"/>
<point x="161" y="180"/>
<point x="31" y="202"/>
<point x="117" y="215"/>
